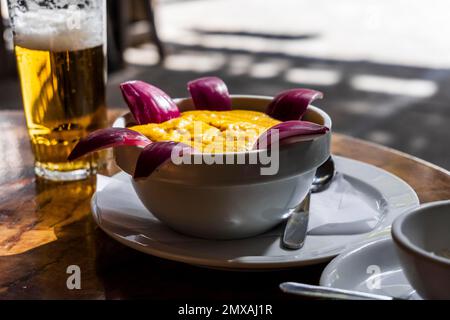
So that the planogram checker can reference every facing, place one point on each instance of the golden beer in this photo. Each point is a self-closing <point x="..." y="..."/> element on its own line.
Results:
<point x="60" y="51"/>
<point x="64" y="99"/>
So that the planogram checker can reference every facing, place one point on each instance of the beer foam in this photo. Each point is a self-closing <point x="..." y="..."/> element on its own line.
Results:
<point x="59" y="29"/>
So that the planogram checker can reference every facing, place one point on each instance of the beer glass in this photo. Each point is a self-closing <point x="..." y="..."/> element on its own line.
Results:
<point x="60" y="48"/>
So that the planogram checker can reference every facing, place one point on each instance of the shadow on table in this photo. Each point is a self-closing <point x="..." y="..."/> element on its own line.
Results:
<point x="404" y="107"/>
<point x="128" y="274"/>
<point x="272" y="36"/>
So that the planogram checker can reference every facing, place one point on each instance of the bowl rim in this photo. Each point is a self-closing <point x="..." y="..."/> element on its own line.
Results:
<point x="405" y="243"/>
<point x="327" y="121"/>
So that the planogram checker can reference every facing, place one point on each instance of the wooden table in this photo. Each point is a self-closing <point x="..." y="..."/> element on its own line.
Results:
<point x="54" y="220"/>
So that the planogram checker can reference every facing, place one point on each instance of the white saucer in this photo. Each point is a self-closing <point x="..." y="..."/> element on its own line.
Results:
<point x="138" y="229"/>
<point x="372" y="268"/>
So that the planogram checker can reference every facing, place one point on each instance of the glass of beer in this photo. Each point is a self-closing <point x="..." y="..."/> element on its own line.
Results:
<point x="60" y="48"/>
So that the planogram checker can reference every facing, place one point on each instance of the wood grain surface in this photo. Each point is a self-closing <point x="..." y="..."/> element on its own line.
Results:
<point x="46" y="227"/>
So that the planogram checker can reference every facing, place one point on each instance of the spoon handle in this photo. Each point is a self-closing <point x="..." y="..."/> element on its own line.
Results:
<point x="307" y="290"/>
<point x="297" y="226"/>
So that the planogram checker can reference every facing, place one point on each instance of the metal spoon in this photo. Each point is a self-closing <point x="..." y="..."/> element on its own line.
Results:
<point x="324" y="175"/>
<point x="311" y="291"/>
<point x="297" y="225"/>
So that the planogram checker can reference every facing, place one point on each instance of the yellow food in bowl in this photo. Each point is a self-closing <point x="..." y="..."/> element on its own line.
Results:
<point x="212" y="131"/>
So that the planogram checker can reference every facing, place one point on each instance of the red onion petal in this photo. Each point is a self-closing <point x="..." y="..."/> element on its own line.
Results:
<point x="147" y="103"/>
<point x="292" y="104"/>
<point x="288" y="130"/>
<point x="105" y="138"/>
<point x="210" y="93"/>
<point x="155" y="155"/>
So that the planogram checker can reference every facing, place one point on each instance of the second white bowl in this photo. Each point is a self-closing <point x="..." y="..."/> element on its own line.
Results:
<point x="421" y="236"/>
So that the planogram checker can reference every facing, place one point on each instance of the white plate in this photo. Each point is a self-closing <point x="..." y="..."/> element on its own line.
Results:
<point x="373" y="268"/>
<point x="138" y="229"/>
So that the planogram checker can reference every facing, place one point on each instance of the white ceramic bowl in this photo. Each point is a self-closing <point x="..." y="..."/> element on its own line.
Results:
<point x="229" y="201"/>
<point x="420" y="235"/>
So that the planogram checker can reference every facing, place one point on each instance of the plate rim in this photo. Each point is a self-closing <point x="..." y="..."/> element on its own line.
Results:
<point x="354" y="250"/>
<point x="324" y="277"/>
<point x="234" y="264"/>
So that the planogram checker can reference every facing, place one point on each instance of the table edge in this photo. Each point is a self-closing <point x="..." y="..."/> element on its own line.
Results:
<point x="395" y="151"/>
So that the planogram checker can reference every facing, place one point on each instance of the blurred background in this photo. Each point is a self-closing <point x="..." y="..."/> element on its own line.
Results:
<point x="384" y="65"/>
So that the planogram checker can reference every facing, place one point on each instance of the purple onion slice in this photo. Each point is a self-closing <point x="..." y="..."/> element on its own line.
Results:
<point x="288" y="130"/>
<point x="106" y="138"/>
<point x="155" y="154"/>
<point x="147" y="103"/>
<point x="210" y="93"/>
<point x="292" y="104"/>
